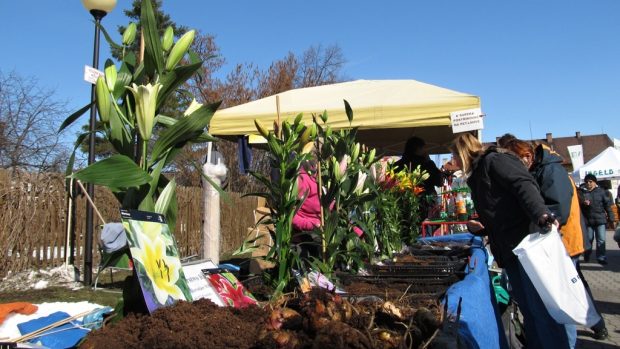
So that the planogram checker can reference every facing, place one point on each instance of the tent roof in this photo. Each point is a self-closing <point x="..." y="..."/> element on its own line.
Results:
<point x="605" y="165"/>
<point x="387" y="112"/>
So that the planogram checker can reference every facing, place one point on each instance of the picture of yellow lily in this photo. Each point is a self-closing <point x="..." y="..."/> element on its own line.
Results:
<point x="156" y="259"/>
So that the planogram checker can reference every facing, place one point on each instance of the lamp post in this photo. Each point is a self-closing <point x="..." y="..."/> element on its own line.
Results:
<point x="97" y="8"/>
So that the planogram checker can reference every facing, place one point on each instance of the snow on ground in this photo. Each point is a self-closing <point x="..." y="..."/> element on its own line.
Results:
<point x="8" y="329"/>
<point x="64" y="276"/>
<point x="61" y="276"/>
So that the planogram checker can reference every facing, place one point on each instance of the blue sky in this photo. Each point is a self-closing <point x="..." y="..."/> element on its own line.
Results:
<point x="538" y="66"/>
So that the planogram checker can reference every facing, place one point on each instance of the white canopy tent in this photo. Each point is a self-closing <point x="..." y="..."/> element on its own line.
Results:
<point x="387" y="112"/>
<point x="605" y="165"/>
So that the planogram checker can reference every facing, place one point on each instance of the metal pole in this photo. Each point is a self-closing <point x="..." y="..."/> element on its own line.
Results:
<point x="90" y="189"/>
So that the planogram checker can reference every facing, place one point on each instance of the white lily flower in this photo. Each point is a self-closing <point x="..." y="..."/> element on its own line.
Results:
<point x="192" y="107"/>
<point x="146" y="102"/>
<point x="361" y="179"/>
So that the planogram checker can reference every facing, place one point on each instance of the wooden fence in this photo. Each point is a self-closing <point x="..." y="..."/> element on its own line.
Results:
<point x="33" y="221"/>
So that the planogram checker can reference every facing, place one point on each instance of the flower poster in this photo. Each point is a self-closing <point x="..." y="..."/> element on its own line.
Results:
<point x="230" y="290"/>
<point x="156" y="259"/>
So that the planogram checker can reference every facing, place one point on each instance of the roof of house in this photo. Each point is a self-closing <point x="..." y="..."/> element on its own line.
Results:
<point x="592" y="145"/>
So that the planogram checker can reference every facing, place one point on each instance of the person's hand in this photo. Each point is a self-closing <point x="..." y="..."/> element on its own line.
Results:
<point x="546" y="221"/>
<point x="475" y="227"/>
<point x="450" y="166"/>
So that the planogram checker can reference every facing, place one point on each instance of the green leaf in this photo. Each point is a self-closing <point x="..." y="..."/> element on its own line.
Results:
<point x="349" y="111"/>
<point x="165" y="197"/>
<point x="153" y="56"/>
<point x="71" y="118"/>
<point x="119" y="135"/>
<point x="175" y="78"/>
<point x="130" y="59"/>
<point x="185" y="129"/>
<point x="155" y="174"/>
<point x="215" y="186"/>
<point x="71" y="161"/>
<point x="117" y="171"/>
<point x="108" y="38"/>
<point x="205" y="137"/>
<point x="123" y="79"/>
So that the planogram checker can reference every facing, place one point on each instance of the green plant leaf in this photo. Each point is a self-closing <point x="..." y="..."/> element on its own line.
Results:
<point x="108" y="38"/>
<point x="152" y="45"/>
<point x="123" y="79"/>
<point x="215" y="186"/>
<point x="71" y="118"/>
<point x="175" y="78"/>
<point x="349" y="111"/>
<point x="165" y="197"/>
<point x="184" y="130"/>
<point x="71" y="162"/>
<point x="117" y="171"/>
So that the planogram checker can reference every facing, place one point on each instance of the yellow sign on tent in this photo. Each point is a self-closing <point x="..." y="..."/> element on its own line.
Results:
<point x="387" y="112"/>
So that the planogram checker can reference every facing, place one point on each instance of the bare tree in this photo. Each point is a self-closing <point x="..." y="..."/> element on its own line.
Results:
<point x="29" y="118"/>
<point x="320" y="66"/>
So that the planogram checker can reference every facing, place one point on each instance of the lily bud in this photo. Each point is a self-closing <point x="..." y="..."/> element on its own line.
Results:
<point x="110" y="76"/>
<point x="146" y="101"/>
<point x="179" y="49"/>
<point x="261" y="129"/>
<point x="355" y="152"/>
<point x="371" y="155"/>
<point x="344" y="163"/>
<point x="359" y="186"/>
<point x="167" y="39"/>
<point x="130" y="34"/>
<point x="305" y="136"/>
<point x="336" y="169"/>
<point x="102" y="95"/>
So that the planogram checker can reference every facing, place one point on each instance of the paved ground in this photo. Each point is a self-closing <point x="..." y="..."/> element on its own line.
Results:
<point x="605" y="284"/>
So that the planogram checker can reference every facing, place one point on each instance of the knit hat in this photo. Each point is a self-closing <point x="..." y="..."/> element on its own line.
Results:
<point x="590" y="177"/>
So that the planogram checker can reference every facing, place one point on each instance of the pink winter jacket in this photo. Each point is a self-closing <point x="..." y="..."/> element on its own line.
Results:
<point x="308" y="216"/>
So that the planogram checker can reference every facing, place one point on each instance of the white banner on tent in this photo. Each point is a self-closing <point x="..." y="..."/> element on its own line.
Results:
<point x="466" y="120"/>
<point x="605" y="165"/>
<point x="576" y="155"/>
<point x="617" y="143"/>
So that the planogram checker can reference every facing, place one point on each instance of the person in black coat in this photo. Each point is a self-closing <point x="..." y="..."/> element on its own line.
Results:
<point x="415" y="155"/>
<point x="596" y="207"/>
<point x="510" y="207"/>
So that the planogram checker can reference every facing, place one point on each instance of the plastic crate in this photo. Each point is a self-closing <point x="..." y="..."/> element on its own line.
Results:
<point x="432" y="269"/>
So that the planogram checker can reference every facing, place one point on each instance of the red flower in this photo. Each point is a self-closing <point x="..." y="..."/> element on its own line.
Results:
<point x="232" y="292"/>
<point x="418" y="190"/>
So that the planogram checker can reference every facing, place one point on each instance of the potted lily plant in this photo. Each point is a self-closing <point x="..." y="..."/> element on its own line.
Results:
<point x="129" y="100"/>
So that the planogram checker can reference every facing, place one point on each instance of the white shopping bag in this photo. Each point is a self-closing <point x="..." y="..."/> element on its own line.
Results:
<point x="553" y="273"/>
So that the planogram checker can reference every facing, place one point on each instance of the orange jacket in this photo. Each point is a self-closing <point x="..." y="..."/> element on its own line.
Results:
<point x="572" y="233"/>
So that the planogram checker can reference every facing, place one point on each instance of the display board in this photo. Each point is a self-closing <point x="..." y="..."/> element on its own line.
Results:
<point x="156" y="259"/>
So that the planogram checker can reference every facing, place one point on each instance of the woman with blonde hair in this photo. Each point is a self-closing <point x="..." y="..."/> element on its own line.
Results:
<point x="510" y="207"/>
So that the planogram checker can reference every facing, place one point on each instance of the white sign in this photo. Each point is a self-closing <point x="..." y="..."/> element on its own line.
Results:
<point x="466" y="120"/>
<point x="91" y="74"/>
<point x="576" y="155"/>
<point x="198" y="284"/>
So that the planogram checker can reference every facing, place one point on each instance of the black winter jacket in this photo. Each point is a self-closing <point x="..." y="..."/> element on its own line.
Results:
<point x="599" y="210"/>
<point x="435" y="177"/>
<point x="507" y="200"/>
<point x="555" y="187"/>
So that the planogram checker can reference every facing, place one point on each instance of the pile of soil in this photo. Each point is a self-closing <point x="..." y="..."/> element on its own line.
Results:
<point x="200" y="324"/>
<point x="318" y="319"/>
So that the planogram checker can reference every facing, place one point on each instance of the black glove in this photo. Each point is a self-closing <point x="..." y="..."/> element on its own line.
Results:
<point x="545" y="222"/>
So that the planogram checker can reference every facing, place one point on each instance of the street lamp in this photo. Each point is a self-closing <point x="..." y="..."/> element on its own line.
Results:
<point x="97" y="8"/>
